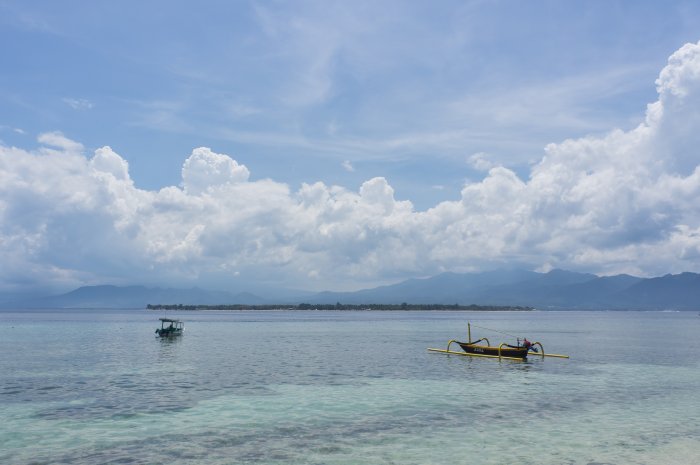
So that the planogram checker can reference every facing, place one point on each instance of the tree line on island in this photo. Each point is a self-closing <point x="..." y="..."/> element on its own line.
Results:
<point x="339" y="306"/>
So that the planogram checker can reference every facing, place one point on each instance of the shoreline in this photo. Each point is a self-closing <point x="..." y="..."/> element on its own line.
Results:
<point x="343" y="307"/>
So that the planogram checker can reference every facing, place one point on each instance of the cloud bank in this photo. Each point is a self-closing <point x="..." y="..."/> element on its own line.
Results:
<point x="625" y="202"/>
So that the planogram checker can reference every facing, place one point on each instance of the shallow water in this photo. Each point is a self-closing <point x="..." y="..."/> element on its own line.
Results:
<point x="89" y="387"/>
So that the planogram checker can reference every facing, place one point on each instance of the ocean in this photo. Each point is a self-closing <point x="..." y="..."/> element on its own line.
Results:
<point x="344" y="387"/>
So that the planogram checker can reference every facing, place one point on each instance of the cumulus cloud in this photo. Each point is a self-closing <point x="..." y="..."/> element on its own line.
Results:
<point x="624" y="202"/>
<point x="108" y="161"/>
<point x="205" y="170"/>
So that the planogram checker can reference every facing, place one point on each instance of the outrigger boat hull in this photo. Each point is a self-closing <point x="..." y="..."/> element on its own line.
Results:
<point x="505" y="351"/>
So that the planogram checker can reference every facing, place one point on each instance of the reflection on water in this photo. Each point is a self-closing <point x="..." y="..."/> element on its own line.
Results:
<point x="168" y="346"/>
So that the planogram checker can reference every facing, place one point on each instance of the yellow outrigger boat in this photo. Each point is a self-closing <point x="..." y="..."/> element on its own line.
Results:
<point x="505" y="351"/>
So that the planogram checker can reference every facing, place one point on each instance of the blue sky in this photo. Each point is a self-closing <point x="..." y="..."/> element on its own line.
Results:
<point x="404" y="90"/>
<point x="425" y="97"/>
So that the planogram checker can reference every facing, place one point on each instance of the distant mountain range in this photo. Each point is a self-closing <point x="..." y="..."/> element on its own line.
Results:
<point x="557" y="289"/>
<point x="132" y="297"/>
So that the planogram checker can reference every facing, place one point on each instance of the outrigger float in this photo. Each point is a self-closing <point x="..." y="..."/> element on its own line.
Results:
<point x="518" y="352"/>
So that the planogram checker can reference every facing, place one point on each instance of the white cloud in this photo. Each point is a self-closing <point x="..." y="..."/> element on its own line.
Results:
<point x="347" y="166"/>
<point x="480" y="161"/>
<point x="625" y="202"/>
<point x="78" y="103"/>
<point x="309" y="46"/>
<point x="57" y="139"/>
<point x="205" y="169"/>
<point x="107" y="161"/>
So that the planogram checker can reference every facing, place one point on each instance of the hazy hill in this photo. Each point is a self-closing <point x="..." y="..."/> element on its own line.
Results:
<point x="557" y="289"/>
<point x="505" y="287"/>
<point x="133" y="297"/>
<point x="680" y="291"/>
<point x="445" y="288"/>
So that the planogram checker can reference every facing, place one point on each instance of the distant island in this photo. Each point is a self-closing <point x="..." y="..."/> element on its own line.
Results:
<point x="339" y="306"/>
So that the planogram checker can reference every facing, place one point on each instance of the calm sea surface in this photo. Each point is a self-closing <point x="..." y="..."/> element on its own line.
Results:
<point x="97" y="387"/>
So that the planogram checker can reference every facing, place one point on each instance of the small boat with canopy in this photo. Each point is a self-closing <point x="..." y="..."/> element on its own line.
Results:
<point x="483" y="348"/>
<point x="170" y="327"/>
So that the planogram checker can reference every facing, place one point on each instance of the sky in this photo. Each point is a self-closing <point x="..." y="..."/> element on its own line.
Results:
<point x="334" y="145"/>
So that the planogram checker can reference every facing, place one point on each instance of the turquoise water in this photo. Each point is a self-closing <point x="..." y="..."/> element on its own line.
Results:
<point x="82" y="387"/>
